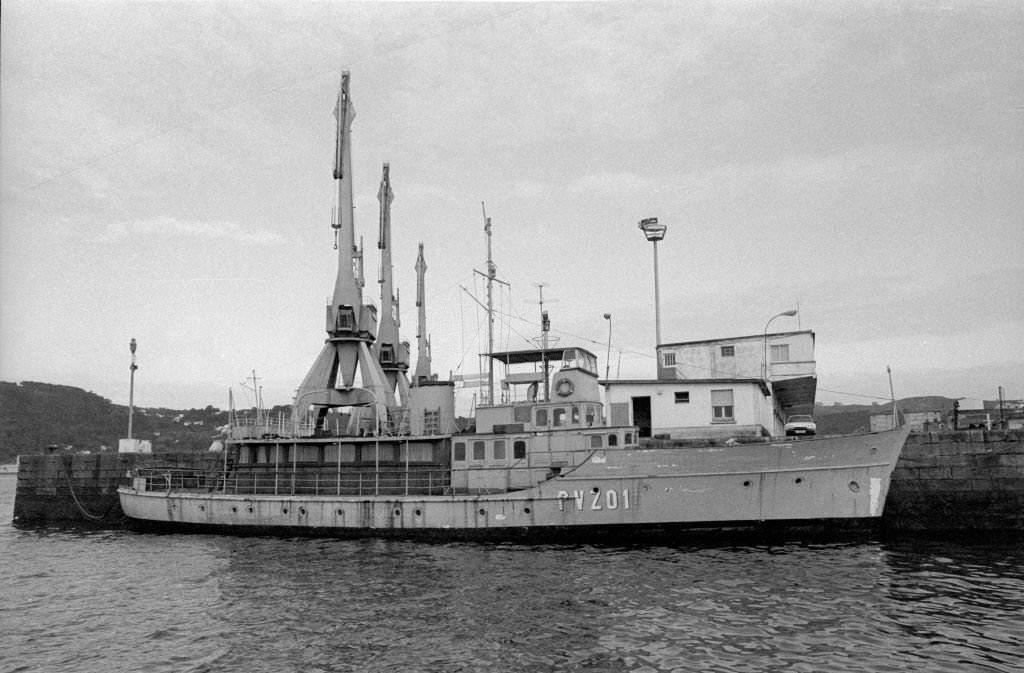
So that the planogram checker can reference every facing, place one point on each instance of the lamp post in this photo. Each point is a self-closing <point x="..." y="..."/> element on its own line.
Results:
<point x="131" y="388"/>
<point x="607" y="358"/>
<point x="654" y="233"/>
<point x="764" y="353"/>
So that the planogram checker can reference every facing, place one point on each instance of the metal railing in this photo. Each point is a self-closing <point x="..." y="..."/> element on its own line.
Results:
<point x="395" y="481"/>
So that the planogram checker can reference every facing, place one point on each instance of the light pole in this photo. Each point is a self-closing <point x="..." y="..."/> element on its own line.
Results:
<point x="131" y="388"/>
<point x="764" y="353"/>
<point x="654" y="233"/>
<point x="607" y="358"/>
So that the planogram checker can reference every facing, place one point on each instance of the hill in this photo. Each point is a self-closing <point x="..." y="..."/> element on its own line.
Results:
<point x="35" y="415"/>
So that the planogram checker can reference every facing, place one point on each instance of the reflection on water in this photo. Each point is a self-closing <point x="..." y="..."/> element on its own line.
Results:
<point x="115" y="600"/>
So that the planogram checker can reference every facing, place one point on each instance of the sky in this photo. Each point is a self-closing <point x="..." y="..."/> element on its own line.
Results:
<point x="166" y="176"/>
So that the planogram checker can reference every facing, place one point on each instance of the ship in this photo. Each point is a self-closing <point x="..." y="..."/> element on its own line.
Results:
<point x="372" y="446"/>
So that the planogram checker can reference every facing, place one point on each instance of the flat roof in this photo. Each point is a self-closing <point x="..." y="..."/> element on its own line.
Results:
<point x="534" y="354"/>
<point x="750" y="337"/>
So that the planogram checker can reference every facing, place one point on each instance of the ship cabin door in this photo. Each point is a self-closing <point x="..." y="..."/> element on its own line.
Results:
<point x="642" y="415"/>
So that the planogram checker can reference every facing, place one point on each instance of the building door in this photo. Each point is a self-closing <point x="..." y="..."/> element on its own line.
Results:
<point x="642" y="415"/>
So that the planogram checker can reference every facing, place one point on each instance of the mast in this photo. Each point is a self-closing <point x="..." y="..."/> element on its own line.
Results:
<point x="423" y="365"/>
<point x="491" y="275"/>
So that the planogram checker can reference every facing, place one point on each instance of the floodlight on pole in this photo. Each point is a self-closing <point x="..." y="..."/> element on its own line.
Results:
<point x="655" y="232"/>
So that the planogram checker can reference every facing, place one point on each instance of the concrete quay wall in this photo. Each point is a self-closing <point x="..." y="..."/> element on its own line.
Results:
<point x="81" y="489"/>
<point x="968" y="480"/>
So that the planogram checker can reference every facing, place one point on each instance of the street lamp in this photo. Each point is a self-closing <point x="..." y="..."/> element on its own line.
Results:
<point x="131" y="388"/>
<point x="654" y="233"/>
<point x="607" y="358"/>
<point x="764" y="353"/>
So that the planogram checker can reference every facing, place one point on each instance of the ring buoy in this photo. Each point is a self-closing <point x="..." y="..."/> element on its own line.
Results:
<point x="564" y="388"/>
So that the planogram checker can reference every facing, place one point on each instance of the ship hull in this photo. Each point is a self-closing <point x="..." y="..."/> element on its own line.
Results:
<point x="827" y="483"/>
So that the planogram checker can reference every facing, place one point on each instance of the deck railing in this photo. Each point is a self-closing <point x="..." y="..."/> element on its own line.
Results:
<point x="395" y="481"/>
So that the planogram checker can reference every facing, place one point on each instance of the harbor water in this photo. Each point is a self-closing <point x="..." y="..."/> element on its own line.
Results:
<point x="81" y="601"/>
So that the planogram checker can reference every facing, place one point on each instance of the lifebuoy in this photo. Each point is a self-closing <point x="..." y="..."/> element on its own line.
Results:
<point x="564" y="388"/>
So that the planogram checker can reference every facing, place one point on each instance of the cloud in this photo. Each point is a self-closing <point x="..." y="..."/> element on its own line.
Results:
<point x="169" y="226"/>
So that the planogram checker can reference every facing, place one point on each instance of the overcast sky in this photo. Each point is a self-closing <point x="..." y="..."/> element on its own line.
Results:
<point x="166" y="176"/>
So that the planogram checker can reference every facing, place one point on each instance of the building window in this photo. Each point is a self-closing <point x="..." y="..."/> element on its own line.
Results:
<point x="478" y="450"/>
<point x="728" y="351"/>
<point x="669" y="359"/>
<point x="518" y="449"/>
<point x="682" y="397"/>
<point x="722" y="410"/>
<point x="499" y="449"/>
<point x="780" y="353"/>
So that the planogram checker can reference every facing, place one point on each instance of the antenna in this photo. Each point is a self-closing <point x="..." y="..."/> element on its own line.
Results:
<point x="491" y="276"/>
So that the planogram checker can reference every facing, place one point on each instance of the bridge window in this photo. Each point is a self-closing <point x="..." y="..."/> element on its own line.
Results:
<point x="459" y="452"/>
<point x="596" y="441"/>
<point x="521" y="414"/>
<point x="575" y="415"/>
<point x="542" y="417"/>
<point x="558" y="416"/>
<point x="344" y="453"/>
<point x="307" y="454"/>
<point x="629" y="438"/>
<point x="591" y="414"/>
<point x="518" y="449"/>
<point x="499" y="449"/>
<point x="478" y="450"/>
<point x="613" y="440"/>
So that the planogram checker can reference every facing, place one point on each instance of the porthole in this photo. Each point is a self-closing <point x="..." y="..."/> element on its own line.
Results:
<point x="854" y="486"/>
<point x="526" y="510"/>
<point x="340" y="512"/>
<point x="284" y="510"/>
<point x="202" y="508"/>
<point x="234" y="509"/>
<point x="398" y="512"/>
<point x="746" y="483"/>
<point x="250" y="510"/>
<point x="798" y="480"/>
<point x="483" y="512"/>
<point x="302" y="511"/>
<point x="595" y="490"/>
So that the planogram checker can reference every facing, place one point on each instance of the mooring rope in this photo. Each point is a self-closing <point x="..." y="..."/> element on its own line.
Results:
<point x="74" y="496"/>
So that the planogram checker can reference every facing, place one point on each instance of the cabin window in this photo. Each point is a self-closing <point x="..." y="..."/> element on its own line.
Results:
<point x="591" y="415"/>
<point x="629" y="438"/>
<point x="595" y="442"/>
<point x="478" y="450"/>
<point x="416" y="453"/>
<point x="668" y="359"/>
<point x="379" y="452"/>
<point x="575" y="415"/>
<point x="340" y="453"/>
<point x="518" y="449"/>
<point x="345" y="318"/>
<point x="521" y="414"/>
<point x="780" y="353"/>
<point x="245" y="455"/>
<point x="722" y="409"/>
<point x="432" y="422"/>
<point x="682" y="397"/>
<point x="728" y="351"/>
<point x="542" y="417"/>
<point x="260" y="454"/>
<point x="459" y="452"/>
<point x="499" y="449"/>
<point x="613" y="440"/>
<point x="307" y="454"/>
<point x="558" y="416"/>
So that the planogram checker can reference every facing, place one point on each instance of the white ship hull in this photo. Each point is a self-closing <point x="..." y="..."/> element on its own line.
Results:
<point x="825" y="480"/>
